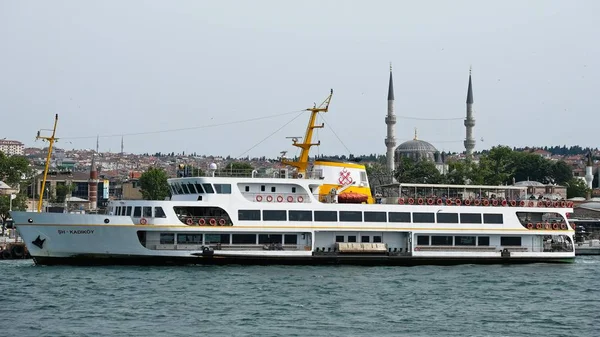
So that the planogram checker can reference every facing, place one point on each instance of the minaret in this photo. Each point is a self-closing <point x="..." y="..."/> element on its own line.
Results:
<point x="469" y="122"/>
<point x="93" y="182"/>
<point x="390" y="120"/>
<point x="589" y="177"/>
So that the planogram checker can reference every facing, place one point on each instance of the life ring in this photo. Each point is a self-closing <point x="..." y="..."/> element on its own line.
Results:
<point x="555" y="226"/>
<point x="495" y="202"/>
<point x="522" y="203"/>
<point x="547" y="225"/>
<point x="530" y="226"/>
<point x="429" y="201"/>
<point x="448" y="201"/>
<point x="420" y="201"/>
<point x="458" y="202"/>
<point x="531" y="204"/>
<point x="411" y="201"/>
<point x="269" y="198"/>
<point x="221" y="222"/>
<point x="467" y="202"/>
<point x="540" y="204"/>
<point x="189" y="221"/>
<point x="513" y="203"/>
<point x="279" y="198"/>
<point x="201" y="222"/>
<point x="548" y="203"/>
<point x="290" y="198"/>
<point x="417" y="249"/>
<point x="563" y="226"/>
<point x="300" y="199"/>
<point x="143" y="221"/>
<point x="18" y="251"/>
<point x="440" y="202"/>
<point x="563" y="204"/>
<point x="570" y="205"/>
<point x="476" y="202"/>
<point x="212" y="222"/>
<point x="400" y="201"/>
<point x="538" y="225"/>
<point x="504" y="203"/>
<point x="555" y="204"/>
<point x="259" y="198"/>
<point x="486" y="202"/>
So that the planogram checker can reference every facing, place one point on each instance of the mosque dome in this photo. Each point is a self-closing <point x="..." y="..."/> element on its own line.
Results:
<point x="416" y="149"/>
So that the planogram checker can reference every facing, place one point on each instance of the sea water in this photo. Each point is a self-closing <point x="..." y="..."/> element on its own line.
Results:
<point x="465" y="300"/>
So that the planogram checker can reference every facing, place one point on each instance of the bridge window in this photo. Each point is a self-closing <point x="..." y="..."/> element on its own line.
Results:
<point x="189" y="239"/>
<point x="159" y="213"/>
<point x="137" y="212"/>
<point x="423" y="240"/>
<point x="351" y="216"/>
<point x="199" y="188"/>
<point x="147" y="211"/>
<point x="185" y="189"/>
<point x="441" y="240"/>
<point x="325" y="216"/>
<point x="470" y="218"/>
<point x="447" y="217"/>
<point x="249" y="214"/>
<point x="464" y="241"/>
<point x="300" y="215"/>
<point x="493" y="218"/>
<point x="244" y="239"/>
<point x="375" y="217"/>
<point x="167" y="238"/>
<point x="399" y="216"/>
<point x="423" y="218"/>
<point x="208" y="188"/>
<point x="223" y="188"/>
<point x="191" y="188"/>
<point x="275" y="215"/>
<point x="483" y="240"/>
<point x="510" y="240"/>
<point x="128" y="211"/>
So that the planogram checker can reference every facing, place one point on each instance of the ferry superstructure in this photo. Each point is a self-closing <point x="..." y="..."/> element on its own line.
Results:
<point x="307" y="213"/>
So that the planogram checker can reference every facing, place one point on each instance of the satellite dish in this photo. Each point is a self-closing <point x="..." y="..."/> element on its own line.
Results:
<point x="212" y="166"/>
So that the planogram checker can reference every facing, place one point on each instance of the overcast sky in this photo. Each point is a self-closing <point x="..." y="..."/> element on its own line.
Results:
<point x="124" y="67"/>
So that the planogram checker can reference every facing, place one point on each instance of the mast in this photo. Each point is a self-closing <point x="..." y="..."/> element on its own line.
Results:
<point x="302" y="163"/>
<point x="51" y="141"/>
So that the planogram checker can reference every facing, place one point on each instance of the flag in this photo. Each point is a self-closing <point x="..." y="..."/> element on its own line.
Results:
<point x="13" y="196"/>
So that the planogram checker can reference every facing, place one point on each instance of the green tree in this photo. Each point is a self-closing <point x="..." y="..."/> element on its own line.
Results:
<point x="62" y="191"/>
<point x="153" y="184"/>
<point x="12" y="170"/>
<point x="465" y="173"/>
<point x="561" y="172"/>
<point x="420" y="172"/>
<point x="18" y="204"/>
<point x="530" y="166"/>
<point x="577" y="188"/>
<point x="498" y="166"/>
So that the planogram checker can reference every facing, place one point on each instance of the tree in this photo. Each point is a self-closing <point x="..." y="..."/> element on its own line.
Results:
<point x="153" y="184"/>
<point x="561" y="172"/>
<point x="577" y="188"/>
<point x="530" y="166"/>
<point x="420" y="172"/>
<point x="62" y="191"/>
<point x="498" y="165"/>
<point x="18" y="204"/>
<point x="465" y="173"/>
<point x="12" y="170"/>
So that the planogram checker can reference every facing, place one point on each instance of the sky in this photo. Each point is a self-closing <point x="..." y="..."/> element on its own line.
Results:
<point x="174" y="76"/>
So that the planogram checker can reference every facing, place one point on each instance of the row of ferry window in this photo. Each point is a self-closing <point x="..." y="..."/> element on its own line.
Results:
<point x="140" y="211"/>
<point x="449" y="240"/>
<point x="369" y="216"/>
<point x="253" y="239"/>
<point x="197" y="188"/>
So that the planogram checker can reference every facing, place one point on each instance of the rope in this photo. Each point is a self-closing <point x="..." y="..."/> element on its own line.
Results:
<point x="430" y="119"/>
<point x="269" y="136"/>
<point x="336" y="136"/>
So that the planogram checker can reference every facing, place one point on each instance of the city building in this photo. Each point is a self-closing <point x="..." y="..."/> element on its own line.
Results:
<point x="11" y="147"/>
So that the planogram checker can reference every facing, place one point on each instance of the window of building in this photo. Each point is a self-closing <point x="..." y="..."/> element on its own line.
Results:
<point x="249" y="214"/>
<point x="351" y="238"/>
<point x="274" y="215"/>
<point x="167" y="238"/>
<point x="365" y="238"/>
<point x="483" y="240"/>
<point x="510" y="240"/>
<point x="147" y="211"/>
<point x="128" y="211"/>
<point x="262" y="188"/>
<point x="464" y="241"/>
<point x="423" y="240"/>
<point x="216" y="238"/>
<point x="377" y="239"/>
<point x="423" y="217"/>
<point x="399" y="216"/>
<point x="351" y="216"/>
<point x="339" y="238"/>
<point x="293" y="190"/>
<point x="300" y="215"/>
<point x="247" y="188"/>
<point x="191" y="239"/>
<point x="273" y="189"/>
<point x="447" y="217"/>
<point x="375" y="217"/>
<point x="325" y="216"/>
<point x="208" y="188"/>
<point x="470" y="218"/>
<point x="159" y="213"/>
<point x="199" y="188"/>
<point x="441" y="240"/>
<point x="137" y="212"/>
<point x="191" y="188"/>
<point x="244" y="239"/>
<point x="290" y="239"/>
<point x="185" y="189"/>
<point x="223" y="188"/>
<point x="493" y="218"/>
<point x="269" y="238"/>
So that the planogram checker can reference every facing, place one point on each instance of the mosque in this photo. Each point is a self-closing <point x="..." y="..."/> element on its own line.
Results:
<point x="417" y="149"/>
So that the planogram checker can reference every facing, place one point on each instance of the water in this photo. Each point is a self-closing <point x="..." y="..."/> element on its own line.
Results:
<point x="468" y="300"/>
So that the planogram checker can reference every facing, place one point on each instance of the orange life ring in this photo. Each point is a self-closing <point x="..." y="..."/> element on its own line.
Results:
<point x="571" y="204"/>
<point x="547" y="225"/>
<point x="212" y="222"/>
<point x="143" y="221"/>
<point x="555" y="226"/>
<point x="300" y="199"/>
<point x="222" y="222"/>
<point x="458" y="202"/>
<point x="269" y="198"/>
<point x="467" y="202"/>
<point x="477" y="202"/>
<point x="448" y="201"/>
<point x="555" y="204"/>
<point x="513" y="203"/>
<point x="563" y="204"/>
<point x="411" y="201"/>
<point x="563" y="226"/>
<point x="259" y="198"/>
<point x="531" y="204"/>
<point x="522" y="203"/>
<point x="486" y="202"/>
<point x="440" y="202"/>
<point x="548" y="203"/>
<point x="201" y="222"/>
<point x="495" y="202"/>
<point x="420" y="201"/>
<point x="401" y="201"/>
<point x="279" y="198"/>
<point x="538" y="226"/>
<point x="540" y="204"/>
<point x="290" y="198"/>
<point x="429" y="201"/>
<point x="530" y="225"/>
<point x="189" y="221"/>
<point x="504" y="203"/>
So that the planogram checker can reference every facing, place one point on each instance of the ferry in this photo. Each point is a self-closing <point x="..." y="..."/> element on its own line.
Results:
<point x="311" y="213"/>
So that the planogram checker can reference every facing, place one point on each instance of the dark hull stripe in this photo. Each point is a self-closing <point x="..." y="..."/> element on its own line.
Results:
<point x="87" y="260"/>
